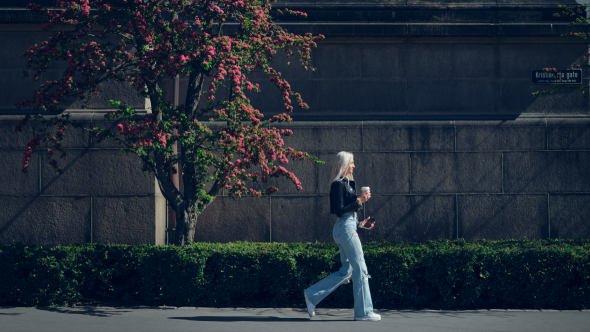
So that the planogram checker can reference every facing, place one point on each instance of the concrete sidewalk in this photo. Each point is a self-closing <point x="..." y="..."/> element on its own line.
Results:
<point x="152" y="319"/>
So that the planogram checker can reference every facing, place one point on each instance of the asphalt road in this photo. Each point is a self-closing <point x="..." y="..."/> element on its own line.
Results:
<point x="151" y="319"/>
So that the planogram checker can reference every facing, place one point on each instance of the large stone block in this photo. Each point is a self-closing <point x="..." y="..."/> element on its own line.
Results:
<point x="518" y="59"/>
<point x="568" y="134"/>
<point x="124" y="220"/>
<point x="456" y="173"/>
<point x="10" y="139"/>
<point x="359" y="97"/>
<point x="474" y="61"/>
<point x="382" y="61"/>
<point x="432" y="60"/>
<point x="305" y="171"/>
<point x="229" y="220"/>
<point x="97" y="172"/>
<point x="301" y="219"/>
<point x="515" y="97"/>
<point x="385" y="173"/>
<point x="337" y="61"/>
<point x="270" y="99"/>
<point x="553" y="171"/>
<point x="502" y="217"/>
<point x="323" y="136"/>
<point x="522" y="134"/>
<point x="408" y="136"/>
<point x="569" y="215"/>
<point x="15" y="88"/>
<point x="48" y="221"/>
<point x="117" y="91"/>
<point x="410" y="218"/>
<point x="473" y="96"/>
<point x="12" y="180"/>
<point x="15" y="43"/>
<point x="452" y="96"/>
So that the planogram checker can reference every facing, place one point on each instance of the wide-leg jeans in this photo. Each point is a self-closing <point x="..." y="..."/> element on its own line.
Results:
<point x="353" y="263"/>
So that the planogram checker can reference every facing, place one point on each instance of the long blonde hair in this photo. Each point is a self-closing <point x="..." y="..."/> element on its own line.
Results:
<point x="341" y="163"/>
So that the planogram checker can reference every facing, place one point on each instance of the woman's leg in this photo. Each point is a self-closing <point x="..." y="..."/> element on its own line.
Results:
<point x="318" y="291"/>
<point x="363" y="304"/>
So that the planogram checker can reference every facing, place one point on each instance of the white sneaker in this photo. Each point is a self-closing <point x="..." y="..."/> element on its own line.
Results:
<point x="371" y="318"/>
<point x="310" y="307"/>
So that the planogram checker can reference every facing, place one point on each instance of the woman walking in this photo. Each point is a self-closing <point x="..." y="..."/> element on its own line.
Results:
<point x="345" y="204"/>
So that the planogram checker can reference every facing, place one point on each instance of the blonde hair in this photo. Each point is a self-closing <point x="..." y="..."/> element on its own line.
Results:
<point x="341" y="163"/>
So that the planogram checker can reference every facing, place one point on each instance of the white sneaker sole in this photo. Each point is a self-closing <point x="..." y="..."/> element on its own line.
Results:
<point x="307" y="304"/>
<point x="368" y="319"/>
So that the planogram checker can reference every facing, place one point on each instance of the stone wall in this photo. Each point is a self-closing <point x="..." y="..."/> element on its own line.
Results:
<point x="432" y="97"/>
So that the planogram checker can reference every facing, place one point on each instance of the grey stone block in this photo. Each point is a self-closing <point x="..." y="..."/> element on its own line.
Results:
<point x="395" y="136"/>
<point x="12" y="180"/>
<point x="124" y="220"/>
<point x="456" y="172"/>
<point x="568" y="134"/>
<point x="502" y="217"/>
<point x="385" y="173"/>
<point x="354" y="97"/>
<point x="382" y="61"/>
<point x="553" y="171"/>
<point x="105" y="144"/>
<point x="501" y="135"/>
<point x="517" y="60"/>
<point x="431" y="95"/>
<point x="15" y="43"/>
<point x="48" y="221"/>
<point x="515" y="97"/>
<point x="474" y="61"/>
<point x="410" y="218"/>
<point x="452" y="95"/>
<point x="14" y="87"/>
<point x="323" y="136"/>
<point x="301" y="219"/>
<point x="569" y="215"/>
<point x="292" y="71"/>
<point x="337" y="61"/>
<point x="10" y="139"/>
<point x="270" y="99"/>
<point x="474" y="96"/>
<point x="97" y="172"/>
<point x="305" y="171"/>
<point x="160" y="218"/>
<point x="229" y="220"/>
<point x="432" y="60"/>
<point x="117" y="91"/>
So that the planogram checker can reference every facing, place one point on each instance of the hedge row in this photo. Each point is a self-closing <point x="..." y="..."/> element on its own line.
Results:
<point x="438" y="275"/>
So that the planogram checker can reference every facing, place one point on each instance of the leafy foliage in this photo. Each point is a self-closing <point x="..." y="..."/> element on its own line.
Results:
<point x="580" y="26"/>
<point x="541" y="274"/>
<point x="143" y="43"/>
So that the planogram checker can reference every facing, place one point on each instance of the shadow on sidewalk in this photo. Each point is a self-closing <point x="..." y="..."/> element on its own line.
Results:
<point x="253" y="319"/>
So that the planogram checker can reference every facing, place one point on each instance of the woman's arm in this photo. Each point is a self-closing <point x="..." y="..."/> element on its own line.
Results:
<point x="338" y="206"/>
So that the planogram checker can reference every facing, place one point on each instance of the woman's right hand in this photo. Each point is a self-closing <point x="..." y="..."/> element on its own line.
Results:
<point x="365" y="196"/>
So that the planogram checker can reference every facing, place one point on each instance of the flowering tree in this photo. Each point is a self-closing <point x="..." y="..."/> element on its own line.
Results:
<point x="578" y="13"/>
<point x="153" y="41"/>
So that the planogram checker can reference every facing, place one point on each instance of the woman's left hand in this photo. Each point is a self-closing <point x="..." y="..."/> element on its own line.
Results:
<point x="362" y="224"/>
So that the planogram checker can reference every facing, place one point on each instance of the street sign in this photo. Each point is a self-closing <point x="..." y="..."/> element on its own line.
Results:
<point x="540" y="76"/>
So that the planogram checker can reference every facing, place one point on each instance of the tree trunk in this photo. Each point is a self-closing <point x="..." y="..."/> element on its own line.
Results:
<point x="186" y="222"/>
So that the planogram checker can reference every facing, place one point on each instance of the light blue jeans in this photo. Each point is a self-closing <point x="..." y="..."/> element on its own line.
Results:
<point x="353" y="263"/>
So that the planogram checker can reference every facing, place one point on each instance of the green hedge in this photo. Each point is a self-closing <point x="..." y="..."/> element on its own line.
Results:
<point x="547" y="274"/>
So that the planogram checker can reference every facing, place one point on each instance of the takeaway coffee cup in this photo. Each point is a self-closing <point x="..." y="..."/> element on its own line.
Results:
<point x="365" y="189"/>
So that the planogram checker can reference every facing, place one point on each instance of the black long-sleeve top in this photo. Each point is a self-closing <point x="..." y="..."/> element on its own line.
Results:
<point x="343" y="197"/>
